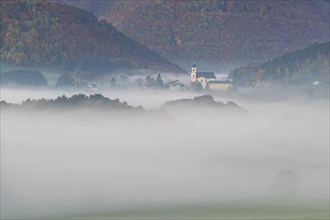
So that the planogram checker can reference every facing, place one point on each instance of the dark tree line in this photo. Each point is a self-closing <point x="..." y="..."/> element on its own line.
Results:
<point x="96" y="101"/>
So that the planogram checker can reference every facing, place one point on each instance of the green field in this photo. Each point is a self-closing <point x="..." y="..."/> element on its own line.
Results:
<point x="262" y="209"/>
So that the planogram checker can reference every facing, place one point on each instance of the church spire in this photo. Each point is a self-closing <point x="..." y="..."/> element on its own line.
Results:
<point x="193" y="73"/>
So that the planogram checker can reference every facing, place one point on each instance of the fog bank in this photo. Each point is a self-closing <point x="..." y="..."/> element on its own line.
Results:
<point x="83" y="162"/>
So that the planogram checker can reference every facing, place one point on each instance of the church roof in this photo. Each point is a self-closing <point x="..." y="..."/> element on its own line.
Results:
<point x="205" y="74"/>
<point x="220" y="82"/>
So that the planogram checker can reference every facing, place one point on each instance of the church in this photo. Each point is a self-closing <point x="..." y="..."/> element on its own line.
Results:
<point x="208" y="80"/>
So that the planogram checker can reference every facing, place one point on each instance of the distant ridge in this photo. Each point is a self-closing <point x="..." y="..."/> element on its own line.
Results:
<point x="219" y="32"/>
<point x="300" y="67"/>
<point x="44" y="33"/>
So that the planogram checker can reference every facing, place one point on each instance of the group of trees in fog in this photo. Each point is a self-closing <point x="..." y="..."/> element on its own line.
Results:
<point x="152" y="82"/>
<point x="79" y="79"/>
<point x="65" y="80"/>
<point x="75" y="101"/>
<point x="201" y="102"/>
<point x="98" y="101"/>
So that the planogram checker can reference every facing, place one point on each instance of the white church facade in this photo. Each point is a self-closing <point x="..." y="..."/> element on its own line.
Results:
<point x="208" y="80"/>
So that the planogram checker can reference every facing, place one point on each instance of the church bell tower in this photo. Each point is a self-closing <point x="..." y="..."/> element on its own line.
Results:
<point x="193" y="73"/>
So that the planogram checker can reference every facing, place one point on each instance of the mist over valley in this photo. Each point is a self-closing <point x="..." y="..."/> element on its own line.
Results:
<point x="164" y="109"/>
<point x="98" y="161"/>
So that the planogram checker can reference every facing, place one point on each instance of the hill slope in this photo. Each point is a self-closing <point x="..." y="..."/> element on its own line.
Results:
<point x="218" y="31"/>
<point x="299" y="67"/>
<point x="41" y="33"/>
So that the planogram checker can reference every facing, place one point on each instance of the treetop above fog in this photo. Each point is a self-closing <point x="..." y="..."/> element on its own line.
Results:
<point x="201" y="101"/>
<point x="96" y="101"/>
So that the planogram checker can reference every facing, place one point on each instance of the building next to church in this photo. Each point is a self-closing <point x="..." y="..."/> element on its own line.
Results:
<point x="220" y="85"/>
<point x="175" y="85"/>
<point x="208" y="80"/>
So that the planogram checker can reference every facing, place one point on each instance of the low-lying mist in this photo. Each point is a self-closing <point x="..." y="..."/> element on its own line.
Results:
<point x="59" y="163"/>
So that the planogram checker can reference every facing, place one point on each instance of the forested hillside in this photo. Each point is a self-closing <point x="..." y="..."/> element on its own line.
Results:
<point x="44" y="33"/>
<point x="218" y="32"/>
<point x="300" y="67"/>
